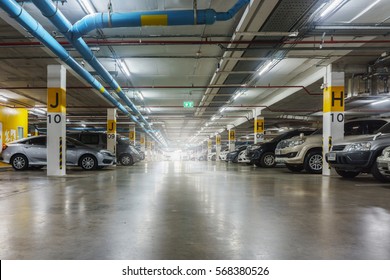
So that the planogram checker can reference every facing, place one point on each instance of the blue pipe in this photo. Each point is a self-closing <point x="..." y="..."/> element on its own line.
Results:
<point x="152" y="18"/>
<point x="16" y="12"/>
<point x="50" y="11"/>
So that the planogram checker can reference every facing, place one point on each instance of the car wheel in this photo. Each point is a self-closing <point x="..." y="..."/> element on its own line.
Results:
<point x="88" y="162"/>
<point x="126" y="160"/>
<point x="294" y="168"/>
<point x="267" y="160"/>
<point x="313" y="162"/>
<point x="378" y="175"/>
<point x="19" y="162"/>
<point x="347" y="174"/>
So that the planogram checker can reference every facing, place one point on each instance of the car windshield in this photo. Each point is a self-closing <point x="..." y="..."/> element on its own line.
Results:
<point x="75" y="142"/>
<point x="384" y="129"/>
<point x="123" y="140"/>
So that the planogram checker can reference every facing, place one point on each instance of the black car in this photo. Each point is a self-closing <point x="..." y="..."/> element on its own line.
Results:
<point x="233" y="155"/>
<point x="126" y="153"/>
<point x="263" y="155"/>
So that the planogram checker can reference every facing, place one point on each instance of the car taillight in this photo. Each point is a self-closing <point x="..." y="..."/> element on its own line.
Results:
<point x="4" y="147"/>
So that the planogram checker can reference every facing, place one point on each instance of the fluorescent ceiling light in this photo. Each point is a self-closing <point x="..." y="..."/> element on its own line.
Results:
<point x="222" y="109"/>
<point x="364" y="11"/>
<point x="140" y="96"/>
<point x="86" y="6"/>
<point x="2" y="98"/>
<point x="331" y="7"/>
<point x="266" y="67"/>
<point x="148" y="110"/>
<point x="124" y="67"/>
<point x="40" y="111"/>
<point x="380" y="101"/>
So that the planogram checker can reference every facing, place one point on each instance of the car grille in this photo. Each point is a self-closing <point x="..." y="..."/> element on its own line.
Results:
<point x="338" y="147"/>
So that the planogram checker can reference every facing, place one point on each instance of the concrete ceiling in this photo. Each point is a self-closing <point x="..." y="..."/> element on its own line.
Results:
<point x="210" y="65"/>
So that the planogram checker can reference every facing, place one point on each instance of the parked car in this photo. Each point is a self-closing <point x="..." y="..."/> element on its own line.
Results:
<point x="223" y="154"/>
<point x="233" y="155"/>
<point x="305" y="152"/>
<point x="211" y="156"/>
<point x="263" y="155"/>
<point x="242" y="158"/>
<point x="126" y="153"/>
<point x="32" y="152"/>
<point x="360" y="154"/>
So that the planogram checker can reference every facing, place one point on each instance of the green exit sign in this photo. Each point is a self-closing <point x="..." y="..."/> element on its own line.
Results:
<point x="188" y="104"/>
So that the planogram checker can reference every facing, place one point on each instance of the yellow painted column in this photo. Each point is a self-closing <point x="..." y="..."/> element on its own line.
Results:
<point x="333" y="112"/>
<point x="217" y="147"/>
<point x="132" y="135"/>
<point x="111" y="130"/>
<point x="232" y="139"/>
<point x="258" y="128"/>
<point x="56" y="120"/>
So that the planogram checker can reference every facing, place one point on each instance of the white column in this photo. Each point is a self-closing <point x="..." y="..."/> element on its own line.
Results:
<point x="149" y="147"/>
<point x="217" y="146"/>
<point x="111" y="130"/>
<point x="56" y="120"/>
<point x="333" y="112"/>
<point x="232" y="138"/>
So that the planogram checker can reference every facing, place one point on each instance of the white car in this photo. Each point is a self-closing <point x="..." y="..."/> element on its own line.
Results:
<point x="211" y="156"/>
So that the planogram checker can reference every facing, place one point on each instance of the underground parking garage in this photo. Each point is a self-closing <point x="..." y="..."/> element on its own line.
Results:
<point x="194" y="130"/>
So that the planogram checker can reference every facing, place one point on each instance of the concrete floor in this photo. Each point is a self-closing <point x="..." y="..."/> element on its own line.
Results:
<point x="192" y="210"/>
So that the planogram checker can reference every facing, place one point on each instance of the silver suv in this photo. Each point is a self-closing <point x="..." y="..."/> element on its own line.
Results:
<point x="305" y="152"/>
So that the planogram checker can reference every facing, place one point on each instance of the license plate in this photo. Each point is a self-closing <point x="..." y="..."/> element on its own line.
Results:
<point x="332" y="156"/>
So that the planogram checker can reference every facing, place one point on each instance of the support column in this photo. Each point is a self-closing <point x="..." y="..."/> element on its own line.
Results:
<point x="217" y="147"/>
<point x="111" y="130"/>
<point x="333" y="112"/>
<point x="258" y="126"/>
<point x="132" y="134"/>
<point x="209" y="146"/>
<point x="56" y="120"/>
<point x="232" y="138"/>
<point x="149" y="152"/>
<point x="142" y="143"/>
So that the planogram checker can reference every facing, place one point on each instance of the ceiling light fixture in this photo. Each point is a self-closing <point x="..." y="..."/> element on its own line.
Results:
<point x="86" y="6"/>
<point x="266" y="67"/>
<point x="2" y="98"/>
<point x="331" y="7"/>
<point x="124" y="67"/>
<point x="40" y="111"/>
<point x="222" y="109"/>
<point x="380" y="101"/>
<point x="364" y="11"/>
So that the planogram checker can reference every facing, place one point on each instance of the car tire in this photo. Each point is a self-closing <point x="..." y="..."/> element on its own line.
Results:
<point x="267" y="160"/>
<point x="235" y="160"/>
<point x="313" y="162"/>
<point x="88" y="162"/>
<point x="294" y="168"/>
<point x="347" y="174"/>
<point x="19" y="162"/>
<point x="126" y="160"/>
<point x="378" y="175"/>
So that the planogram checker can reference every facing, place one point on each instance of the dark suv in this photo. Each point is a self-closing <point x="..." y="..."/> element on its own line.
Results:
<point x="359" y="154"/>
<point x="126" y="153"/>
<point x="263" y="155"/>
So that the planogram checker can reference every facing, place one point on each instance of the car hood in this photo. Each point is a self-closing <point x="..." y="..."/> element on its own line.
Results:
<point x="360" y="138"/>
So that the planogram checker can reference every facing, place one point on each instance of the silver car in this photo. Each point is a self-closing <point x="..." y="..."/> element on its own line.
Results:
<point x="32" y="152"/>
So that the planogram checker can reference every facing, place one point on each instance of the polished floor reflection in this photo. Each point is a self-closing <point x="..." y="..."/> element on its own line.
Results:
<point x="192" y="210"/>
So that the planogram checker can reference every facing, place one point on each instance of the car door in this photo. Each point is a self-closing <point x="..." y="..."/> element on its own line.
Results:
<point x="36" y="151"/>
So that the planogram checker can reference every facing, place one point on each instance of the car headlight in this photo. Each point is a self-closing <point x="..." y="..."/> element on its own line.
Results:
<point x="362" y="146"/>
<point x="296" y="142"/>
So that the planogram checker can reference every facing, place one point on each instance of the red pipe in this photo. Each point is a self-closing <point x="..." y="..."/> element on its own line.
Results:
<point x="174" y="87"/>
<point x="205" y="42"/>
